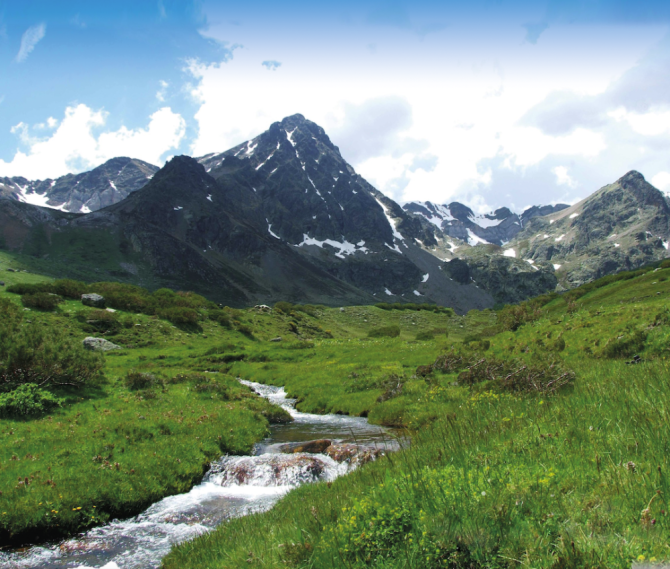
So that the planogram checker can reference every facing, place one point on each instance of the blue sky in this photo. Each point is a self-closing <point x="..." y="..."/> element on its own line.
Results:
<point x="488" y="102"/>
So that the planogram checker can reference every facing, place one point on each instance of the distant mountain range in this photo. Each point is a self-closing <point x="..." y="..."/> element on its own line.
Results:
<point x="284" y="217"/>
<point x="85" y="192"/>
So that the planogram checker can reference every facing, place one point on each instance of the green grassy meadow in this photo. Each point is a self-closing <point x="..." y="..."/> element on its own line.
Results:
<point x="494" y="477"/>
<point x="507" y="467"/>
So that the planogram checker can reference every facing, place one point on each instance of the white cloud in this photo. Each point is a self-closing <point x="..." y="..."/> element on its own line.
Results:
<point x="75" y="146"/>
<point x="160" y="94"/>
<point x="562" y="177"/>
<point x="29" y="40"/>
<point x="662" y="181"/>
<point x="393" y="108"/>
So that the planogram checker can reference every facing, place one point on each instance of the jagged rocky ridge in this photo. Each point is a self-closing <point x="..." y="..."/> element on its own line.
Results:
<point x="459" y="221"/>
<point x="622" y="226"/>
<point x="282" y="217"/>
<point x="89" y="191"/>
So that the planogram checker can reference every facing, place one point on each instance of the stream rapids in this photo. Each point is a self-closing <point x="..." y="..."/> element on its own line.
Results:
<point x="234" y="486"/>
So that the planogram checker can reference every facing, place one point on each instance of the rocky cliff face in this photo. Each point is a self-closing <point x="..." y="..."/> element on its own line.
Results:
<point x="103" y="186"/>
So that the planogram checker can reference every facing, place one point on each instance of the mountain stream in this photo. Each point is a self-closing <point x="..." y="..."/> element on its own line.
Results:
<point x="234" y="486"/>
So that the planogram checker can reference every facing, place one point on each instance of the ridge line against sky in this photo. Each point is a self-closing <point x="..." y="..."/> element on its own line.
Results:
<point x="491" y="103"/>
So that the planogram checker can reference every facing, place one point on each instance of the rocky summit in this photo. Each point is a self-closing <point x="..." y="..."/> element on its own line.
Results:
<point x="280" y="217"/>
<point x="89" y="191"/>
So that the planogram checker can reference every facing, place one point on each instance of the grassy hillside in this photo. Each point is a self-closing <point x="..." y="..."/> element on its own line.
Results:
<point x="164" y="406"/>
<point x="535" y="440"/>
<point x="539" y="446"/>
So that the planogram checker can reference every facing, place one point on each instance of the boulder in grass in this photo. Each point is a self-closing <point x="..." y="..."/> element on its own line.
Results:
<point x="2" y="283"/>
<point x="99" y="344"/>
<point x="93" y="299"/>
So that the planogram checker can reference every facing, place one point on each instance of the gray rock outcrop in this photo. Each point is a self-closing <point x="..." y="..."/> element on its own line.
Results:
<point x="99" y="344"/>
<point x="93" y="299"/>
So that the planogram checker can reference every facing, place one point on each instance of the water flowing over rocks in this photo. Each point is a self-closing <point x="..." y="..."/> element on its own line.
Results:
<point x="234" y="486"/>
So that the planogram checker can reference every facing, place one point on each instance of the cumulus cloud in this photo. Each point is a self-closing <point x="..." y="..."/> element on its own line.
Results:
<point x="29" y="40"/>
<point x="75" y="145"/>
<point x="271" y="65"/>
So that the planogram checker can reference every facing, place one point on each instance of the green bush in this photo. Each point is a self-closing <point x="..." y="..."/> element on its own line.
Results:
<point x="626" y="346"/>
<point x="27" y="400"/>
<point x="425" y="336"/>
<point x="385" y="332"/>
<point x="24" y="288"/>
<point x="99" y="321"/>
<point x="413" y="306"/>
<point x="512" y="317"/>
<point x="284" y="306"/>
<point x="135" y="380"/>
<point x="220" y="316"/>
<point x="41" y="354"/>
<point x="41" y="301"/>
<point x="246" y="330"/>
<point x="179" y="316"/>
<point x="68" y="288"/>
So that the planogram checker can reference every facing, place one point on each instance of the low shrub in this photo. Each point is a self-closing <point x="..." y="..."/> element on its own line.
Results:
<point x="24" y="288"/>
<point x="392" y="387"/>
<point x="179" y="316"/>
<point x="284" y="306"/>
<point x="624" y="346"/>
<point x="42" y="355"/>
<point x="68" y="288"/>
<point x="246" y="330"/>
<point x="416" y="307"/>
<point x="385" y="332"/>
<point x="425" y="336"/>
<point x="220" y="316"/>
<point x="136" y="380"/>
<point x="41" y="301"/>
<point x="26" y="401"/>
<point x="512" y="317"/>
<point x="99" y="321"/>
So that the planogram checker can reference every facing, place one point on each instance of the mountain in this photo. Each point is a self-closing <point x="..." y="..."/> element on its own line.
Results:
<point x="459" y="221"/>
<point x="89" y="191"/>
<point x="281" y="217"/>
<point x="622" y="226"/>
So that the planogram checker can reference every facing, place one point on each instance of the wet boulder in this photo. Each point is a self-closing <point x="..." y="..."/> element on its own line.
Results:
<point x="271" y="470"/>
<point x="352" y="454"/>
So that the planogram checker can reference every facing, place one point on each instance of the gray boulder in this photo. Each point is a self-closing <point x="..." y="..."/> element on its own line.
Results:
<point x="99" y="344"/>
<point x="93" y="299"/>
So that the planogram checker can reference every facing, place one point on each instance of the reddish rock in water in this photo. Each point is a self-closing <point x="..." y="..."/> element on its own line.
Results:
<point x="273" y="470"/>
<point x="313" y="447"/>
<point x="352" y="453"/>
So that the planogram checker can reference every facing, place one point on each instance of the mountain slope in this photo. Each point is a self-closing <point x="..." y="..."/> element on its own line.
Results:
<point x="623" y="225"/>
<point x="290" y="221"/>
<point x="89" y="191"/>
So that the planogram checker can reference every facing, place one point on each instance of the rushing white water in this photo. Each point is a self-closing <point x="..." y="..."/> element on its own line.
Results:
<point x="234" y="486"/>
